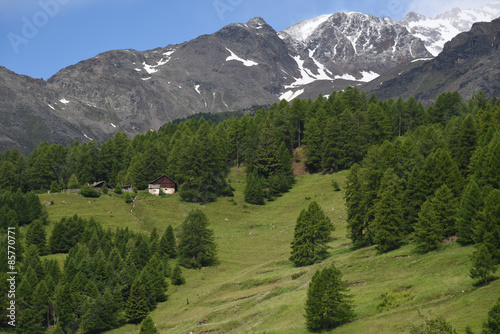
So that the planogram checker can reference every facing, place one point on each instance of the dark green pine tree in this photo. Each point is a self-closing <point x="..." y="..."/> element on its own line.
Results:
<point x="199" y="168"/>
<point x="285" y="171"/>
<point x="36" y="236"/>
<point x="357" y="225"/>
<point x="34" y="319"/>
<point x="436" y="219"/>
<point x="148" y="326"/>
<point x="492" y="324"/>
<point x="267" y="161"/>
<point x="137" y="308"/>
<point x="312" y="232"/>
<point x="483" y="263"/>
<point x="437" y="169"/>
<point x="168" y="246"/>
<point x="470" y="204"/>
<point x="328" y="304"/>
<point x="177" y="278"/>
<point x="387" y="226"/>
<point x="379" y="124"/>
<point x="154" y="282"/>
<point x="463" y="144"/>
<point x="254" y="192"/>
<point x="428" y="232"/>
<point x="445" y="205"/>
<point x="197" y="247"/>
<point x="65" y="307"/>
<point x="313" y="139"/>
<point x="488" y="224"/>
<point x="332" y="147"/>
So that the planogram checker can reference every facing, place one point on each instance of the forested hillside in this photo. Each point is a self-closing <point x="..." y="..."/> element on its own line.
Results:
<point x="418" y="176"/>
<point x="336" y="132"/>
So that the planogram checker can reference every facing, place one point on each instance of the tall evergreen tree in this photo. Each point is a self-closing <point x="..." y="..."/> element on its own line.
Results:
<point x="168" y="246"/>
<point x="488" y="223"/>
<point x="427" y="230"/>
<point x="387" y="225"/>
<point x="470" y="204"/>
<point x="137" y="308"/>
<point x="328" y="304"/>
<point x="332" y="147"/>
<point x="312" y="232"/>
<point x="65" y="307"/>
<point x="357" y="225"/>
<point x="36" y="236"/>
<point x="482" y="262"/>
<point x="267" y="160"/>
<point x="254" y="192"/>
<point x="197" y="247"/>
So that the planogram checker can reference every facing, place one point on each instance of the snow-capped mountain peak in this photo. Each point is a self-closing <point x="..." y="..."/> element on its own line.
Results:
<point x="347" y="48"/>
<point x="435" y="32"/>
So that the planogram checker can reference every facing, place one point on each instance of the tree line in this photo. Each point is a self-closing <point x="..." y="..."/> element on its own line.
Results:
<point x="336" y="132"/>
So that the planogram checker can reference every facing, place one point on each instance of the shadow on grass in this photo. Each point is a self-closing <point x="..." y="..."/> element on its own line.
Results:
<point x="482" y="283"/>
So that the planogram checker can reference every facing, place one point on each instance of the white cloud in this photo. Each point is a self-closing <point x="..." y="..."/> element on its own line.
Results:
<point x="432" y="8"/>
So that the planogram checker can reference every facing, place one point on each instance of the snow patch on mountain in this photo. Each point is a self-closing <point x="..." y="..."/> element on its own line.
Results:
<point x="290" y="95"/>
<point x="368" y="76"/>
<point x="302" y="30"/>
<point x="245" y="62"/>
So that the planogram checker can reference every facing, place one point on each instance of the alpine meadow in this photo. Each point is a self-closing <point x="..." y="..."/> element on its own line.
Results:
<point x="339" y="176"/>
<point x="389" y="207"/>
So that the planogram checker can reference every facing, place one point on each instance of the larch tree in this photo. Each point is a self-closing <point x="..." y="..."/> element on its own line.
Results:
<point x="328" y="304"/>
<point x="137" y="308"/>
<point x="312" y="232"/>
<point x="197" y="247"/>
<point x="387" y="225"/>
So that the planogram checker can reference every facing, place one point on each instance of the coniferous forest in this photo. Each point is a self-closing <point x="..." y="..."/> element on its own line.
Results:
<point x="417" y="175"/>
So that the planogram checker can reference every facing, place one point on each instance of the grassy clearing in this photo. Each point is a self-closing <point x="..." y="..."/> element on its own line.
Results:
<point x="255" y="289"/>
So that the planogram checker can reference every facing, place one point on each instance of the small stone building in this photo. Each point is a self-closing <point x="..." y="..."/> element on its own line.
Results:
<point x="163" y="183"/>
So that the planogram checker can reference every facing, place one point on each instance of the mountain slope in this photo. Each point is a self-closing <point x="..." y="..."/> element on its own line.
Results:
<point x="235" y="68"/>
<point x="470" y="62"/>
<point x="31" y="113"/>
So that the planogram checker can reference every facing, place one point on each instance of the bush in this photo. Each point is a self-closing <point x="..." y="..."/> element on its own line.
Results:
<point x="335" y="185"/>
<point x="118" y="189"/>
<point x="129" y="198"/>
<point x="87" y="191"/>
<point x="437" y="325"/>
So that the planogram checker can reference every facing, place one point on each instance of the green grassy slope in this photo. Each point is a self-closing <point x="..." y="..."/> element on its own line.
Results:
<point x="252" y="290"/>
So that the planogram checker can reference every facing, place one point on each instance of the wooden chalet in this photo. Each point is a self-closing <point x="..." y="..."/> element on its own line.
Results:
<point x="163" y="183"/>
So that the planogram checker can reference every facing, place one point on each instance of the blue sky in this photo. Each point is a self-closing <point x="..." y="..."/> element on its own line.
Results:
<point x="39" y="37"/>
